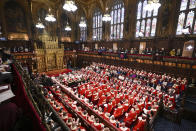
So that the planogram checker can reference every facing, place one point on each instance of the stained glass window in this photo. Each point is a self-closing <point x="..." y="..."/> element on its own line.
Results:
<point x="146" y="20"/>
<point x="83" y="33"/>
<point x="117" y="14"/>
<point x="137" y="28"/>
<point x="139" y="10"/>
<point x="154" y="23"/>
<point x="97" y="25"/>
<point x="183" y="5"/>
<point x="155" y="12"/>
<point x="148" y="26"/>
<point x="143" y="26"/>
<point x="186" y="17"/>
<point x="192" y="4"/>
<point x="144" y="11"/>
<point x="121" y="32"/>
<point x="190" y="17"/>
<point x="180" y="23"/>
<point x="194" y="31"/>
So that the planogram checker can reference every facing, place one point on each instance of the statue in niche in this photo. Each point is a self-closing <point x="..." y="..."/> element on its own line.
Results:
<point x="15" y="18"/>
<point x="165" y="17"/>
<point x="42" y="14"/>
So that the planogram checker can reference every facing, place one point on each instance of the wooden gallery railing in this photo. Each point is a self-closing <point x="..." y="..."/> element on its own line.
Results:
<point x="178" y="66"/>
<point x="83" y="121"/>
<point x="35" y="95"/>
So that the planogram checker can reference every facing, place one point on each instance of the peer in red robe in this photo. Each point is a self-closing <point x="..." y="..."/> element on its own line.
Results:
<point x="117" y="99"/>
<point x="98" y="125"/>
<point x="107" y="116"/>
<point x="112" y="120"/>
<point x="91" y="119"/>
<point x="130" y="117"/>
<point x="140" y="124"/>
<point x="88" y="94"/>
<point x="95" y="98"/>
<point x="65" y="116"/>
<point x="102" y="100"/>
<point x="118" y="111"/>
<point x="123" y="127"/>
<point x="82" y="90"/>
<point x="108" y="107"/>
<point x="126" y="106"/>
<point x="182" y="87"/>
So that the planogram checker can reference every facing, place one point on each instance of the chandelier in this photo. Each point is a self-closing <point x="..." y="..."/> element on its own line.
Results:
<point x="70" y="6"/>
<point x="152" y="5"/>
<point x="94" y="37"/>
<point x="106" y="16"/>
<point x="50" y="17"/>
<point x="82" y="23"/>
<point x="39" y="25"/>
<point x="67" y="27"/>
<point x="190" y="47"/>
<point x="141" y="34"/>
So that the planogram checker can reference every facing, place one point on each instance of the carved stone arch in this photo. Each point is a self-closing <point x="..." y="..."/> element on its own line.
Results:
<point x="81" y="12"/>
<point x="15" y="16"/>
<point x="35" y="11"/>
<point x="97" y="10"/>
<point x="111" y="3"/>
<point x="64" y="17"/>
<point x="45" y="4"/>
<point x="84" y="11"/>
<point x="92" y="9"/>
<point x="126" y="2"/>
<point x="101" y="4"/>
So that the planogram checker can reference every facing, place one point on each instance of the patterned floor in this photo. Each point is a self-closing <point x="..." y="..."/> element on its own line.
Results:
<point x="162" y="124"/>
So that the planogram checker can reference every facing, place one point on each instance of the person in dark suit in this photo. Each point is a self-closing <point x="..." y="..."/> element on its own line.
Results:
<point x="5" y="78"/>
<point x="46" y="81"/>
<point x="5" y="56"/>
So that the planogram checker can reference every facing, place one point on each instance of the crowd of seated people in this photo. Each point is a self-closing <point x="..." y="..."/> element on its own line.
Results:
<point x="21" y="49"/>
<point x="146" y="51"/>
<point x="125" y="97"/>
<point x="88" y="116"/>
<point x="72" y="79"/>
<point x="93" y="121"/>
<point x="9" y="111"/>
<point x="72" y="122"/>
<point x="5" y="67"/>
